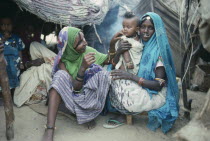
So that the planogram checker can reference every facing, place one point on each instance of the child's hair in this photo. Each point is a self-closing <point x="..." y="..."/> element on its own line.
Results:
<point x="130" y="15"/>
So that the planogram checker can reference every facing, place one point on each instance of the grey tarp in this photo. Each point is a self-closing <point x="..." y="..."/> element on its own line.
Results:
<point x="204" y="27"/>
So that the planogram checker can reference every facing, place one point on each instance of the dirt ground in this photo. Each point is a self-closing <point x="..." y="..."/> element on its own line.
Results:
<point x="29" y="126"/>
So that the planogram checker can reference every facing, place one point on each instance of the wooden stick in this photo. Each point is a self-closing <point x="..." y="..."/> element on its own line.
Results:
<point x="7" y="99"/>
<point x="129" y="119"/>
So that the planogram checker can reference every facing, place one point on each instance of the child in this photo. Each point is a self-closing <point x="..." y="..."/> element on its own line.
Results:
<point x="129" y="61"/>
<point x="12" y="51"/>
<point x="124" y="97"/>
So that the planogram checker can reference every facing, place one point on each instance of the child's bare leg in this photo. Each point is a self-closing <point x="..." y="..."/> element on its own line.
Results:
<point x="122" y="67"/>
<point x="129" y="63"/>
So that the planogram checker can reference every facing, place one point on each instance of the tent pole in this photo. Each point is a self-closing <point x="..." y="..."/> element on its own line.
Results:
<point x="152" y="5"/>
<point x="7" y="99"/>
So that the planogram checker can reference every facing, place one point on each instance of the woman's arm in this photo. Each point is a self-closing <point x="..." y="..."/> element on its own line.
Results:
<point x="78" y="81"/>
<point x="115" y="38"/>
<point x="122" y="47"/>
<point x="112" y="51"/>
<point x="77" y="84"/>
<point x="150" y="84"/>
<point x="155" y="84"/>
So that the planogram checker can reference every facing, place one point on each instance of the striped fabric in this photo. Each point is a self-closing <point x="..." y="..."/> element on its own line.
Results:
<point x="88" y="104"/>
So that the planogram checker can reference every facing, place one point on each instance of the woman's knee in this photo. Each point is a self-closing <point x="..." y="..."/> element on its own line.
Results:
<point x="53" y="93"/>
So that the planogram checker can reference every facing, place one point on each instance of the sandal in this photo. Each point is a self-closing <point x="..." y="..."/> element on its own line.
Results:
<point x="116" y="124"/>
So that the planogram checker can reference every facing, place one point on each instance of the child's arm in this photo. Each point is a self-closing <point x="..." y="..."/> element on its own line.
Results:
<point x="129" y="63"/>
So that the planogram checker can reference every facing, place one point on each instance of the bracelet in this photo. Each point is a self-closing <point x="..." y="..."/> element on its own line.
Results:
<point x="50" y="127"/>
<point x="79" y="79"/>
<point x="80" y="76"/>
<point x="141" y="80"/>
<point x="76" y="91"/>
<point x="161" y="81"/>
<point x="109" y="56"/>
<point x="112" y="53"/>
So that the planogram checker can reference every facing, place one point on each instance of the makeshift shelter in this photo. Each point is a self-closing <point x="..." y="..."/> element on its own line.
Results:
<point x="67" y="12"/>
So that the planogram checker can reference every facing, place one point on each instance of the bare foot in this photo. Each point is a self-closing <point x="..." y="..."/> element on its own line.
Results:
<point x="48" y="135"/>
<point x="90" y="125"/>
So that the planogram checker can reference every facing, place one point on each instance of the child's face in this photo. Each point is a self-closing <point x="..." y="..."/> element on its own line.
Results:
<point x="130" y="27"/>
<point x="6" y="26"/>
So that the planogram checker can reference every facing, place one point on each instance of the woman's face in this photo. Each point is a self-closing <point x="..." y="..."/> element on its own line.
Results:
<point x="146" y="30"/>
<point x="80" y="43"/>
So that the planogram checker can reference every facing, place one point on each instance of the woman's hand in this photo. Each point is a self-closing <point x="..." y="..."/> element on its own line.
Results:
<point x="116" y="37"/>
<point x="88" y="60"/>
<point x="123" y="46"/>
<point x="120" y="74"/>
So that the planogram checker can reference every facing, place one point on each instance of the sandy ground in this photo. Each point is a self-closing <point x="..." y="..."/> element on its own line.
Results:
<point x="29" y="126"/>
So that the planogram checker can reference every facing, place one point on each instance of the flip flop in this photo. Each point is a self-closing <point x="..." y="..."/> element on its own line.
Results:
<point x="117" y="124"/>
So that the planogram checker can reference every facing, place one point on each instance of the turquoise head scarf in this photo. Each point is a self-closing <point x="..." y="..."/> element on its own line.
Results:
<point x="158" y="45"/>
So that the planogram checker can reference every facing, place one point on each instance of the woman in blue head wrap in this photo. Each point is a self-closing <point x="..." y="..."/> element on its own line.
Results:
<point x="156" y="76"/>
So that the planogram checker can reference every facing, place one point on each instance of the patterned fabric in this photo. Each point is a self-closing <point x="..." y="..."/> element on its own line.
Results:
<point x="130" y="98"/>
<point x="88" y="104"/>
<point x="12" y="47"/>
<point x="158" y="45"/>
<point x="91" y="71"/>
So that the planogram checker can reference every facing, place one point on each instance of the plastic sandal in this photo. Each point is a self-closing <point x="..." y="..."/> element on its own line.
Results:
<point x="115" y="125"/>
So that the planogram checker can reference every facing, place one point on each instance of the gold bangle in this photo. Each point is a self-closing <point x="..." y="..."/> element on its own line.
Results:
<point x="161" y="81"/>
<point x="112" y="53"/>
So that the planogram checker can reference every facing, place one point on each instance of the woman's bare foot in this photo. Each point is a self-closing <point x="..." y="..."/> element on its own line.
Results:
<point x="48" y="135"/>
<point x="90" y="125"/>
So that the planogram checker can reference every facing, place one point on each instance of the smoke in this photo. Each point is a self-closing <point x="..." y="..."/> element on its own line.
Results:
<point x="110" y="26"/>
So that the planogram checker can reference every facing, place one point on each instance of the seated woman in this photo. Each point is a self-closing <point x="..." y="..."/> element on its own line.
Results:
<point x="79" y="83"/>
<point x="156" y="76"/>
<point x="38" y="74"/>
